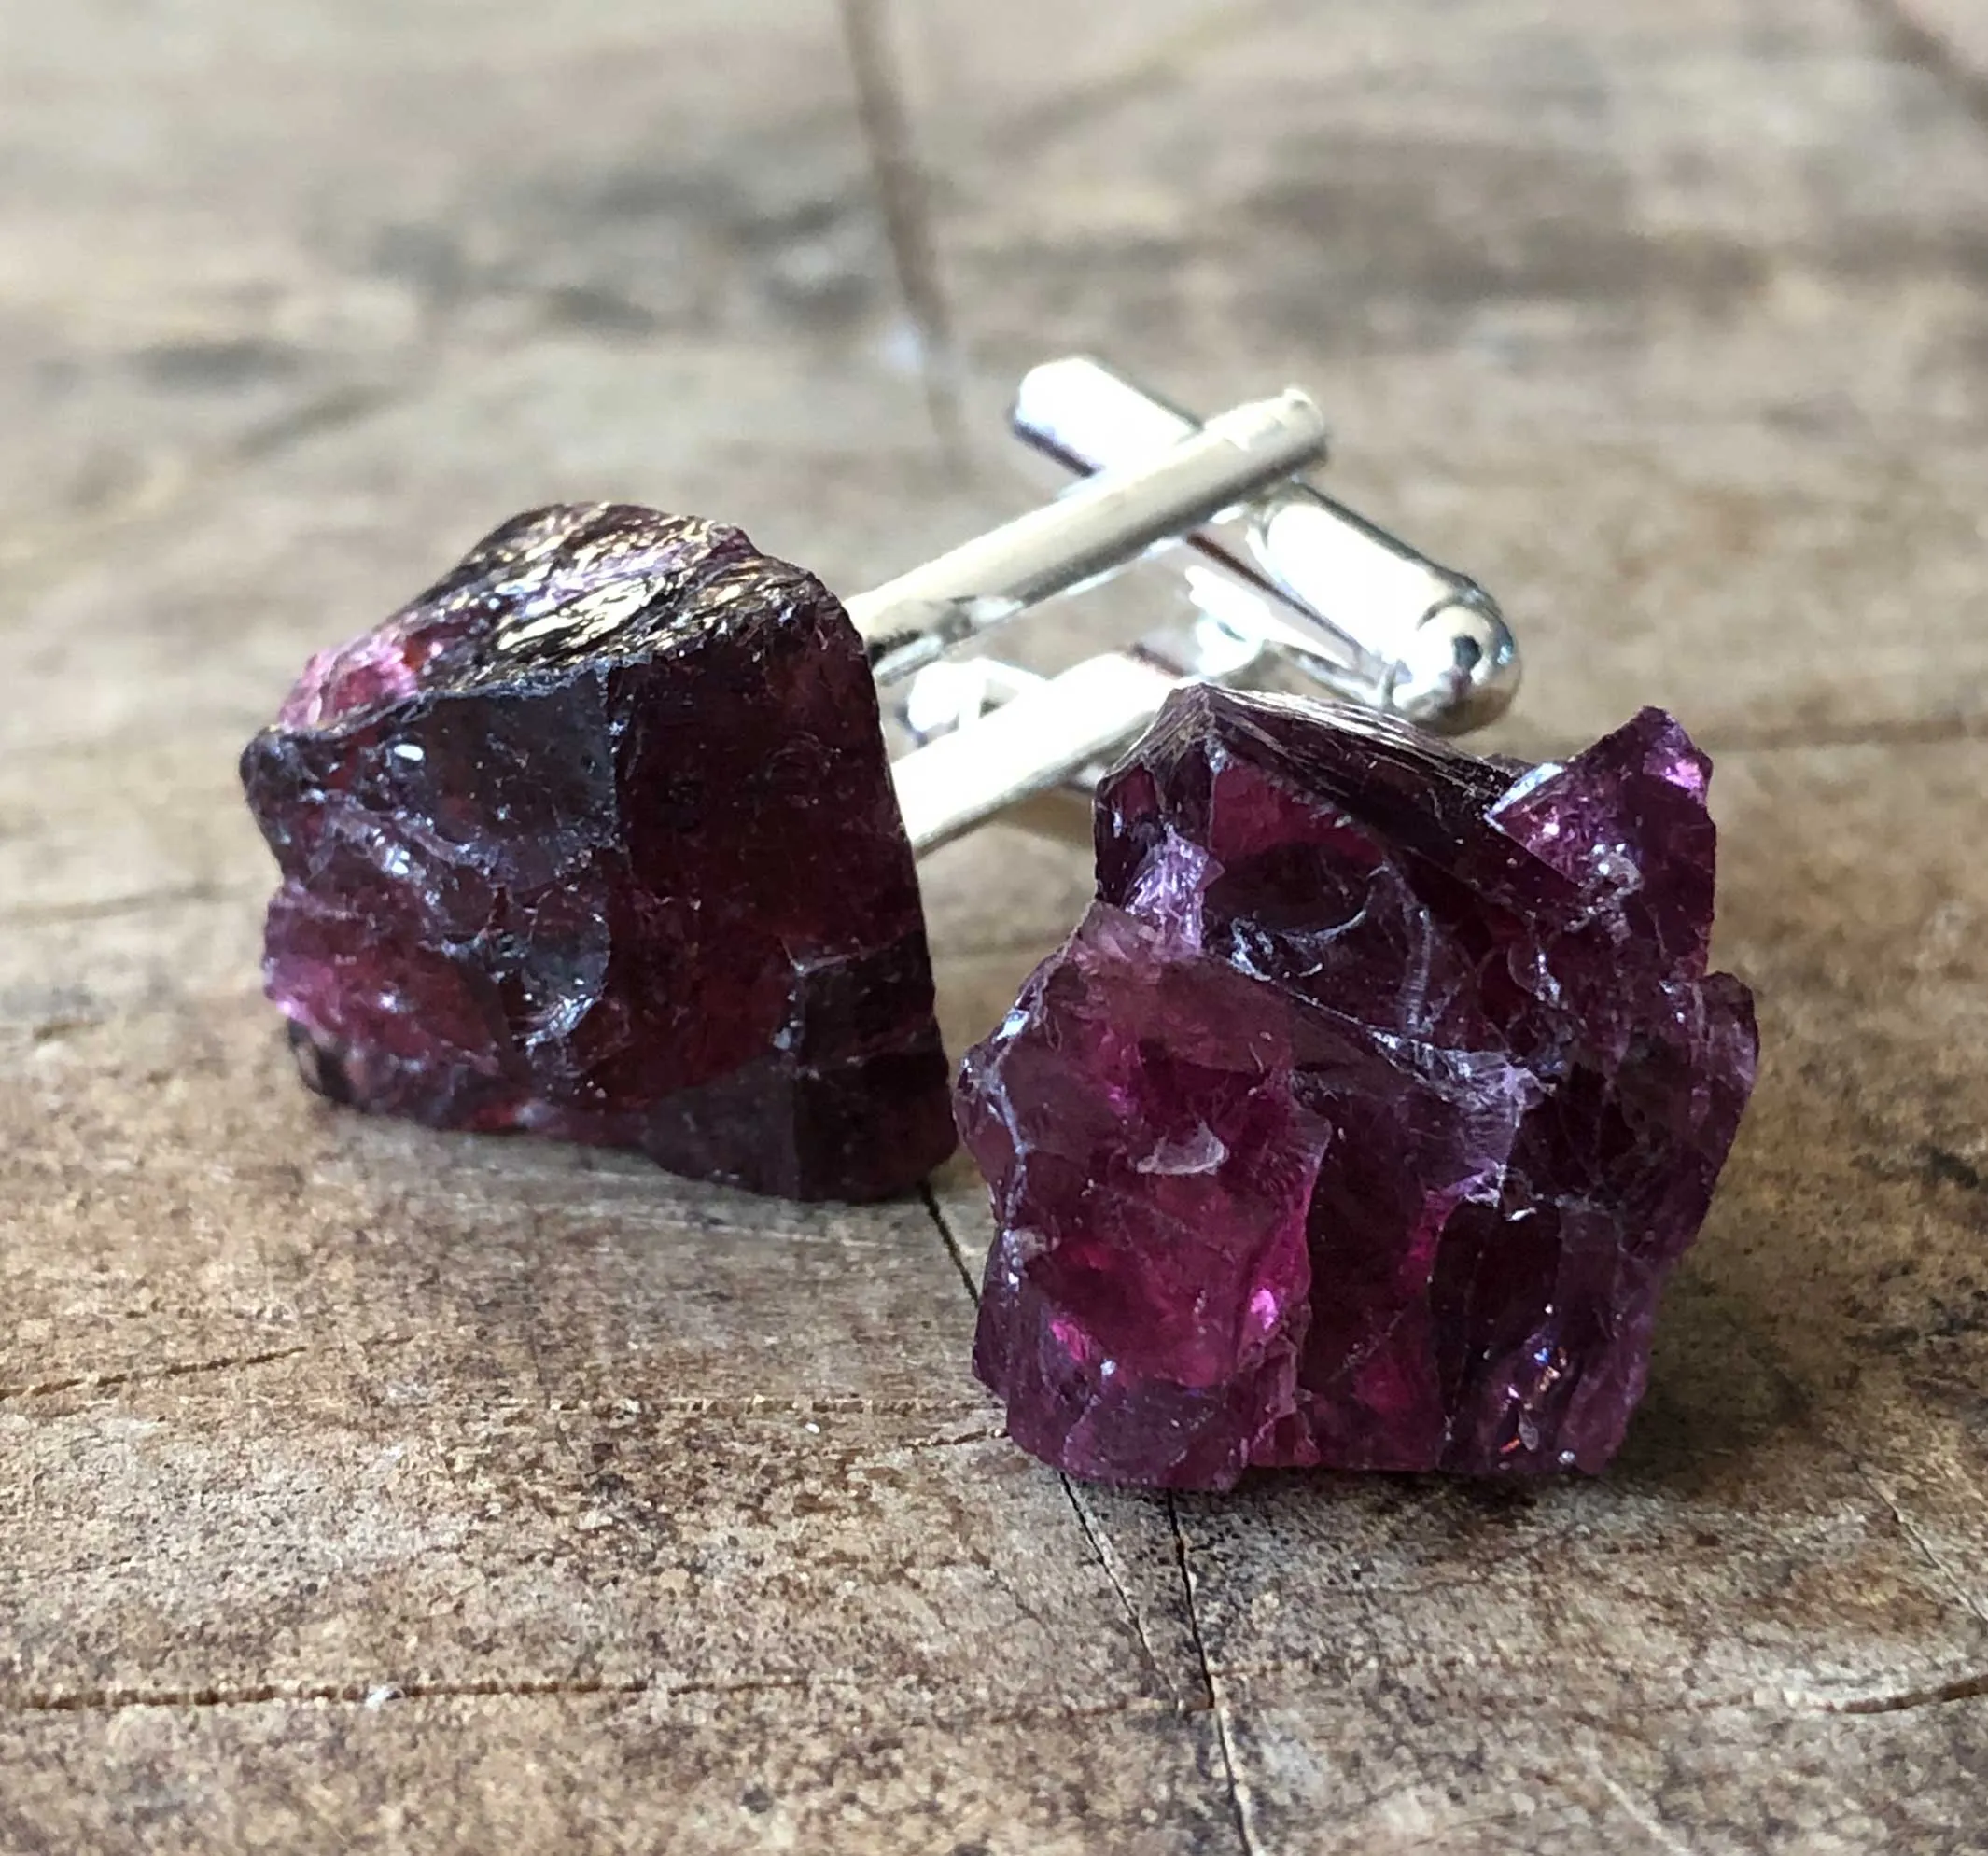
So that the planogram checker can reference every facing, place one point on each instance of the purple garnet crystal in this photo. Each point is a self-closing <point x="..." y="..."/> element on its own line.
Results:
<point x="1364" y="1115"/>
<point x="597" y="838"/>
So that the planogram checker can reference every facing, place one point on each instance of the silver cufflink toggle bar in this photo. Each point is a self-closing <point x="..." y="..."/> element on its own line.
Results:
<point x="1285" y="583"/>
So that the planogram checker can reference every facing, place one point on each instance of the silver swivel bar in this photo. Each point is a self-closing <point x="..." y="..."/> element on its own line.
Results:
<point x="1028" y="746"/>
<point x="1365" y="614"/>
<point x="1287" y="575"/>
<point x="1131" y="504"/>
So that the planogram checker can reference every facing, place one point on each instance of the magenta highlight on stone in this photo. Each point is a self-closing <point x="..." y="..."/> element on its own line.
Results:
<point x="1363" y="1117"/>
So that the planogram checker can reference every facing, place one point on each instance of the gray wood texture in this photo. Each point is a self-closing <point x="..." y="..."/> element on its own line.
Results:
<point x="363" y="1489"/>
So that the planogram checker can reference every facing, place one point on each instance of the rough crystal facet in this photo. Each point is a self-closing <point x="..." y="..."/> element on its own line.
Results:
<point x="1364" y="1115"/>
<point x="597" y="838"/>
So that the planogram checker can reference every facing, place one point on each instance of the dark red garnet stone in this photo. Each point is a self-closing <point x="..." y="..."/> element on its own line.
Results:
<point x="1364" y="1115"/>
<point x="596" y="839"/>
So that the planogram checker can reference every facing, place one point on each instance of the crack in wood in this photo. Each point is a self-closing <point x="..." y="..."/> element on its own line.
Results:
<point x="1238" y="1791"/>
<point x="1938" y="1695"/>
<point x="1791" y="1700"/>
<point x="1211" y="1702"/>
<point x="184" y="1369"/>
<point x="1107" y="1559"/>
<point x="387" y="1693"/>
<point x="766" y="1404"/>
<point x="950" y="1239"/>
<point x="372" y="1695"/>
<point x="1910" y="1529"/>
<point x="904" y="197"/>
<point x="970" y="1438"/>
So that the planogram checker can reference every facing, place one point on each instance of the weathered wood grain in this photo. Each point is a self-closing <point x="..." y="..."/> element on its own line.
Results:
<point x="367" y="1489"/>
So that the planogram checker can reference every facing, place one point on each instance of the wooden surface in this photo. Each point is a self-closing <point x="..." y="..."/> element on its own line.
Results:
<point x="368" y="1489"/>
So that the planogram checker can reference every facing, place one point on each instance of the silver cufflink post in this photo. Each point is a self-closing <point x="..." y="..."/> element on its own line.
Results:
<point x="1357" y="609"/>
<point x="1282" y="579"/>
<point x="1136" y="502"/>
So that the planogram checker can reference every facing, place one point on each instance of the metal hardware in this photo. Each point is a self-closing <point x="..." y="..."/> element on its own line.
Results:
<point x="1129" y="508"/>
<point x="1358" y="610"/>
<point x="1029" y="745"/>
<point x="1285" y="577"/>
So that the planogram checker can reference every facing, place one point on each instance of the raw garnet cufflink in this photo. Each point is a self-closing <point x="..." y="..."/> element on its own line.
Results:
<point x="596" y="839"/>
<point x="1364" y="1114"/>
<point x="1357" y="1124"/>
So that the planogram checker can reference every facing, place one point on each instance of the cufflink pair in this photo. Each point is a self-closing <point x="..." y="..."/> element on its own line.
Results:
<point x="1357" y="1123"/>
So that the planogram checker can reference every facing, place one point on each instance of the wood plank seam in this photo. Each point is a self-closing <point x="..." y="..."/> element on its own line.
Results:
<point x="1238" y="1789"/>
